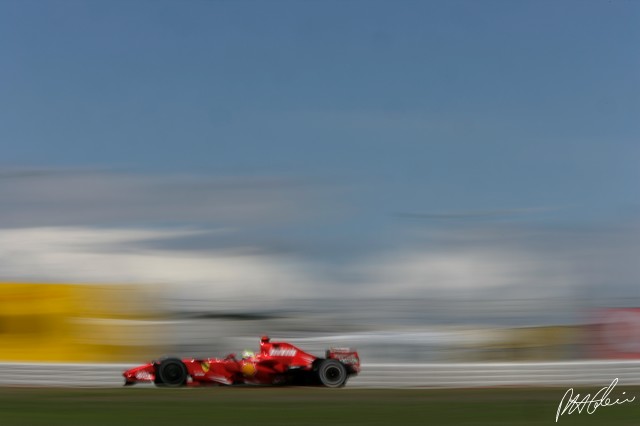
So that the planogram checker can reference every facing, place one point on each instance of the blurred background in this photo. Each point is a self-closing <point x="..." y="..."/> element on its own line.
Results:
<point x="424" y="181"/>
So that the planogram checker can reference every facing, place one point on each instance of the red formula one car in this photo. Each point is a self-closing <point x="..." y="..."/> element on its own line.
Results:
<point x="277" y="363"/>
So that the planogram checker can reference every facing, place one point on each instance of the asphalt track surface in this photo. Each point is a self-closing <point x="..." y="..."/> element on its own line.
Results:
<point x="380" y="376"/>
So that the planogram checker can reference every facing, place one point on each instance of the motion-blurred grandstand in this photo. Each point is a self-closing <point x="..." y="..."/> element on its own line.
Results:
<point x="122" y="323"/>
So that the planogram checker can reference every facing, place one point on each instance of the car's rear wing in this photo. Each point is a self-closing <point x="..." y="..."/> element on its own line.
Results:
<point x="349" y="357"/>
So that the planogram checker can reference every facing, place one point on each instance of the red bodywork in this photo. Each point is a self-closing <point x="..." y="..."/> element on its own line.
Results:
<point x="276" y="363"/>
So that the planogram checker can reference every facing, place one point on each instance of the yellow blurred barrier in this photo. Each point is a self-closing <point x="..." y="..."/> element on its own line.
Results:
<point x="78" y="322"/>
<point x="531" y="344"/>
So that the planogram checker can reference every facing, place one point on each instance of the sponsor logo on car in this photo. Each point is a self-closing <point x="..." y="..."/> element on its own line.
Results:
<point x="248" y="369"/>
<point x="347" y="359"/>
<point x="282" y="352"/>
<point x="143" y="375"/>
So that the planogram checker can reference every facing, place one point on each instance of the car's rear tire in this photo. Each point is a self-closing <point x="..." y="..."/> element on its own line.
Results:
<point x="332" y="373"/>
<point x="171" y="372"/>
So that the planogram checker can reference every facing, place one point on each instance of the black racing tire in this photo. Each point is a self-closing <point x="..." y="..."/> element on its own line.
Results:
<point x="171" y="372"/>
<point x="332" y="373"/>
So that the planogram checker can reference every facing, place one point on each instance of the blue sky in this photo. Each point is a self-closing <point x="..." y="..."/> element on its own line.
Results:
<point x="442" y="105"/>
<point x="376" y="120"/>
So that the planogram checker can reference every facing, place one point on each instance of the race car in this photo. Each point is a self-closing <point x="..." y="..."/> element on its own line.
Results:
<point x="277" y="363"/>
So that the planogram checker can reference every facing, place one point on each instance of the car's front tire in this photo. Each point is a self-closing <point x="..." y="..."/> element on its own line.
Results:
<point x="171" y="372"/>
<point x="332" y="373"/>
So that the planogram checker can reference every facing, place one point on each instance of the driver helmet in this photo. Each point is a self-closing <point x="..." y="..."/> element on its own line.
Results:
<point x="247" y="354"/>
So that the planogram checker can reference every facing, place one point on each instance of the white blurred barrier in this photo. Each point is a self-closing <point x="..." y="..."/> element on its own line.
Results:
<point x="70" y="375"/>
<point x="455" y="375"/>
<point x="462" y="375"/>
